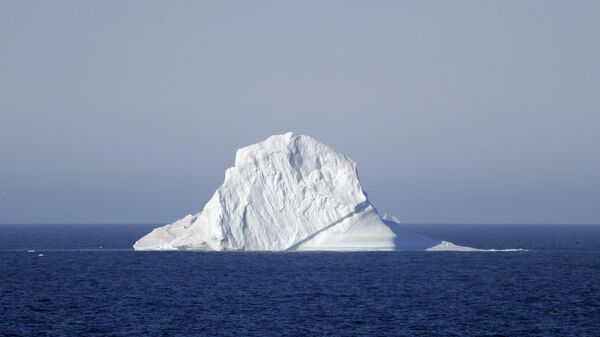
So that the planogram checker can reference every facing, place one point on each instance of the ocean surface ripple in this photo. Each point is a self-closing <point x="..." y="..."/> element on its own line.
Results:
<point x="89" y="282"/>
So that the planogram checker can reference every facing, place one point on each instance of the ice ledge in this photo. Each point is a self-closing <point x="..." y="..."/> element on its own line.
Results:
<point x="446" y="246"/>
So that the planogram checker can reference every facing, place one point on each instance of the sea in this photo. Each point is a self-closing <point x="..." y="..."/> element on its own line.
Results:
<point x="85" y="280"/>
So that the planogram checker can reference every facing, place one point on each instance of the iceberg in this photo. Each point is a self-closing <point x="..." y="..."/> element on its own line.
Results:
<point x="289" y="193"/>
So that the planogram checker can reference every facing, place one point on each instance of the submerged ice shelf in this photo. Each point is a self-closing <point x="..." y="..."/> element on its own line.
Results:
<point x="289" y="193"/>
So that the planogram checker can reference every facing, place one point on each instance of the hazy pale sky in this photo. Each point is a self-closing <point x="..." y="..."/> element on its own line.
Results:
<point x="456" y="111"/>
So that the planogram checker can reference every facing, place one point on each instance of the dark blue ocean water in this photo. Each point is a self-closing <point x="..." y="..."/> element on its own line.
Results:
<point x="80" y="289"/>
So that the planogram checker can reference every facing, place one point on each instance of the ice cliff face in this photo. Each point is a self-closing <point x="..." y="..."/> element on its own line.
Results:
<point x="289" y="192"/>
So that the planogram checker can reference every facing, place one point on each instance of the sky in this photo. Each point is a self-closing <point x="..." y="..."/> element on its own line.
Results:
<point x="455" y="111"/>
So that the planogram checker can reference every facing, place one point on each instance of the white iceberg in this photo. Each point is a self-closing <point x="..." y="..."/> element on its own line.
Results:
<point x="289" y="193"/>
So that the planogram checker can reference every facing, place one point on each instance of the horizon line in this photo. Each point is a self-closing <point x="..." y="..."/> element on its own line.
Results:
<point x="401" y="223"/>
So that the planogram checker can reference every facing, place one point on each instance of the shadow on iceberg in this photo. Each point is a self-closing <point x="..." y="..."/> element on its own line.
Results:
<point x="406" y="240"/>
<point x="409" y="241"/>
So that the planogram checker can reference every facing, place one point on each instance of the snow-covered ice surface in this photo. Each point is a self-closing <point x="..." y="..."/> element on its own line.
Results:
<point x="289" y="193"/>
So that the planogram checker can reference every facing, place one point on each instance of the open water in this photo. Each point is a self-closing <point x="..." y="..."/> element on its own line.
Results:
<point x="90" y="283"/>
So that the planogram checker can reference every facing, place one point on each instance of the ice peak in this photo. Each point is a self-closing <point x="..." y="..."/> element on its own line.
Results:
<point x="292" y="144"/>
<point x="290" y="134"/>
